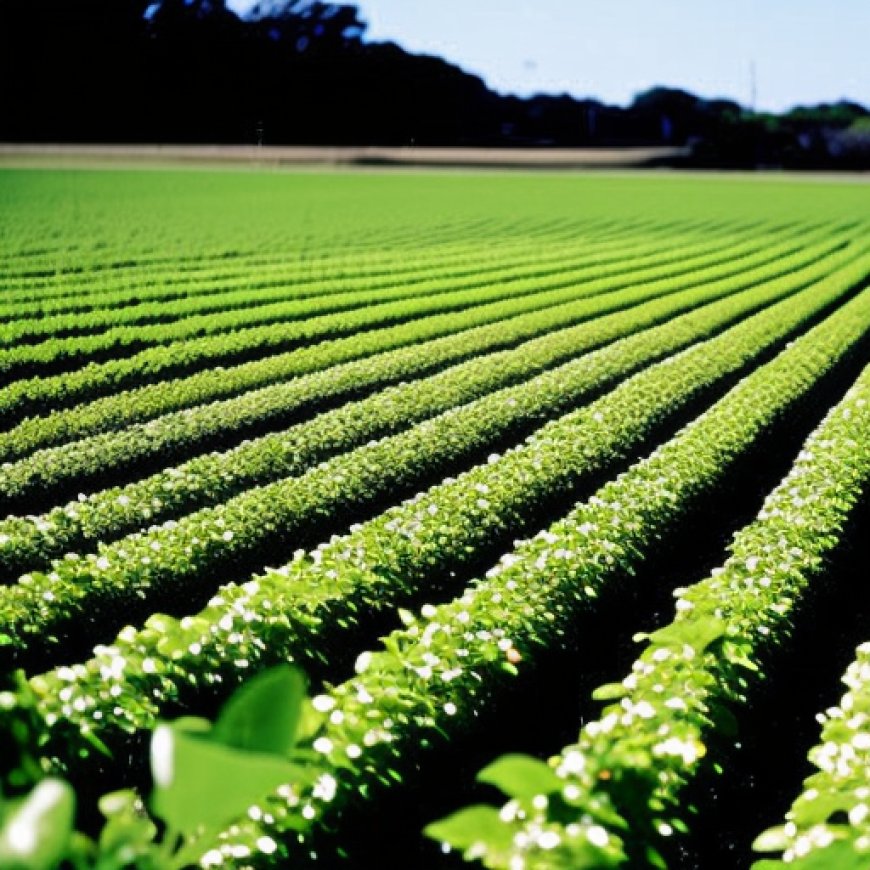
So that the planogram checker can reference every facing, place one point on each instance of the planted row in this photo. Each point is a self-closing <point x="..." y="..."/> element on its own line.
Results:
<point x="828" y="825"/>
<point x="437" y="674"/>
<point x="46" y="394"/>
<point x="614" y="795"/>
<point x="421" y="546"/>
<point x="512" y="321"/>
<point x="167" y="295"/>
<point x="253" y="331"/>
<point x="30" y="542"/>
<point x="85" y="285"/>
<point x="82" y="262"/>
<point x="95" y="592"/>
<point x="320" y="295"/>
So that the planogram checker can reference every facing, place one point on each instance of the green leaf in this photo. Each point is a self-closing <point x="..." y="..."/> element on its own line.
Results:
<point x="520" y="776"/>
<point x="263" y="715"/>
<point x="90" y="737"/>
<point x="310" y="722"/>
<point x="609" y="692"/>
<point x="201" y="782"/>
<point x="37" y="830"/>
<point x="807" y="813"/>
<point x="118" y="803"/>
<point x="840" y="855"/>
<point x="126" y="835"/>
<point x="697" y="633"/>
<point x="406" y="617"/>
<point x="654" y="858"/>
<point x="725" y="721"/>
<point x="472" y="826"/>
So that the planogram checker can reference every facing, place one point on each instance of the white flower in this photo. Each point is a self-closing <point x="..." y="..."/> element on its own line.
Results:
<point x="323" y="745"/>
<point x="162" y="755"/>
<point x="363" y="661"/>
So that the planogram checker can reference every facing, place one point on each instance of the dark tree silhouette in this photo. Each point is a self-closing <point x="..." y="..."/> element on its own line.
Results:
<point x="301" y="71"/>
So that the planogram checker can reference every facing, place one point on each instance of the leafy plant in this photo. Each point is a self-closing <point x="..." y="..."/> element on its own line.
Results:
<point x="205" y="775"/>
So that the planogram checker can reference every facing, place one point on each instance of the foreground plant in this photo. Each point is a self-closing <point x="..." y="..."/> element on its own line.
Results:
<point x="204" y="776"/>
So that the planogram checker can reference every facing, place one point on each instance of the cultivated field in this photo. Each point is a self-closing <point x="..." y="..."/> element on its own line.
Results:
<point x="466" y="448"/>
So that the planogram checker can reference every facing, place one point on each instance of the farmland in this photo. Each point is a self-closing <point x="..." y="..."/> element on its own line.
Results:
<point x="559" y="478"/>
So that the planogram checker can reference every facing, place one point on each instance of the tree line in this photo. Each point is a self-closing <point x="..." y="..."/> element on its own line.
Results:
<point x="302" y="72"/>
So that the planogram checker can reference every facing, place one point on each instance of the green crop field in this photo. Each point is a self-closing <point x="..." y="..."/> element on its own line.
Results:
<point x="556" y="487"/>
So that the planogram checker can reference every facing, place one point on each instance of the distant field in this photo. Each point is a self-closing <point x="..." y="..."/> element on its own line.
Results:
<point x="502" y="421"/>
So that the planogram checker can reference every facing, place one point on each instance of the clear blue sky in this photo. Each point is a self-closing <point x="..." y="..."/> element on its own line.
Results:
<point x="804" y="51"/>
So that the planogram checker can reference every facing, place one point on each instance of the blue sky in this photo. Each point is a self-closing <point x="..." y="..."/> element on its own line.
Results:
<point x="803" y="51"/>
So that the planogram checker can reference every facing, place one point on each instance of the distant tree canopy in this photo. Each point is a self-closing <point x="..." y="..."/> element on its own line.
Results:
<point x="301" y="71"/>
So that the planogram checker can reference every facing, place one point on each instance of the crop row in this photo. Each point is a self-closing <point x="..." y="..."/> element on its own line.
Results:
<point x="79" y="594"/>
<point x="55" y="470"/>
<point x="75" y="269"/>
<point x="88" y="281"/>
<point x="417" y="547"/>
<point x="45" y="394"/>
<point x="286" y="285"/>
<point x="255" y="329"/>
<point x="219" y="285"/>
<point x="30" y="542"/>
<point x="437" y="673"/>
<point x="435" y="676"/>
<point x="72" y="263"/>
<point x="477" y="330"/>
<point x="152" y="280"/>
<point x="828" y="824"/>
<point x="617" y="791"/>
<point x="329" y="314"/>
<point x="330" y="293"/>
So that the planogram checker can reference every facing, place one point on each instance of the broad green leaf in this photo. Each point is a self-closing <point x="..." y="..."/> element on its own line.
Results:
<point x="697" y="633"/>
<point x="263" y="714"/>
<point x="840" y="855"/>
<point x="520" y="776"/>
<point x="127" y="829"/>
<point x="609" y="692"/>
<point x="37" y="830"/>
<point x="310" y="721"/>
<point x="807" y="813"/>
<point x="471" y="826"/>
<point x="201" y="782"/>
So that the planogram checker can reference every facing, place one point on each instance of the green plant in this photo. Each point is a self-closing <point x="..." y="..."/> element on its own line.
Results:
<point x="204" y="775"/>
